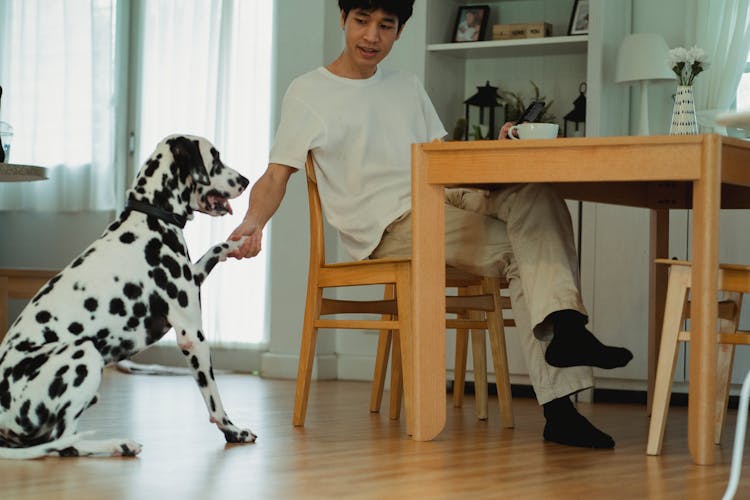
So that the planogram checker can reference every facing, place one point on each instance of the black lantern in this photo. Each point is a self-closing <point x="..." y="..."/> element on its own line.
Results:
<point x="578" y="115"/>
<point x="486" y="97"/>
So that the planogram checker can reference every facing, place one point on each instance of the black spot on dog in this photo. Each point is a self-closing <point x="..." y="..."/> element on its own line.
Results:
<point x="75" y="328"/>
<point x="211" y="264"/>
<point x="212" y="403"/>
<point x="171" y="290"/>
<point x="117" y="307"/>
<point x="82" y="257"/>
<point x="102" y="334"/>
<point x="91" y="304"/>
<point x="139" y="309"/>
<point x="58" y="386"/>
<point x="182" y="298"/>
<point x="132" y="291"/>
<point x="194" y="362"/>
<point x="5" y="392"/>
<point x="152" y="251"/>
<point x="172" y="266"/>
<point x="202" y="382"/>
<point x="81" y="373"/>
<point x="200" y="336"/>
<point x="50" y="336"/>
<point x="78" y="354"/>
<point x="160" y="278"/>
<point x="68" y="452"/>
<point x="47" y="289"/>
<point x="187" y="273"/>
<point x="43" y="317"/>
<point x="132" y="323"/>
<point x="26" y="346"/>
<point x="127" y="238"/>
<point x="172" y="241"/>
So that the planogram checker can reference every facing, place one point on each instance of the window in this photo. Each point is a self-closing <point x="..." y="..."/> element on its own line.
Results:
<point x="87" y="81"/>
<point x="743" y="91"/>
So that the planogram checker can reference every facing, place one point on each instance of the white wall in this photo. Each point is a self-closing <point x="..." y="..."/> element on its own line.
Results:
<point x="26" y="239"/>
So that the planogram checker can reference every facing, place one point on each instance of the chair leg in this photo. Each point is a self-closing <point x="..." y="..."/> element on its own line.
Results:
<point x="381" y="359"/>
<point x="403" y="292"/>
<point x="459" y="373"/>
<point x="724" y="364"/>
<point x="496" y="332"/>
<point x="381" y="366"/>
<point x="479" y="358"/>
<point x="306" y="356"/>
<point x="397" y="381"/>
<point x="674" y="313"/>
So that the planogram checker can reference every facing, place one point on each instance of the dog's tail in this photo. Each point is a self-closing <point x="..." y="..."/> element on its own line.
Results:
<point x="56" y="447"/>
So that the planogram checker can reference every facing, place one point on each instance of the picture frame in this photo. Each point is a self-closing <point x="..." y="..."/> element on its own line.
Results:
<point x="579" y="18"/>
<point x="471" y="23"/>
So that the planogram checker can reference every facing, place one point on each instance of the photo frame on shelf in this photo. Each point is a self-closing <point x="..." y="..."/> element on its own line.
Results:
<point x="471" y="23"/>
<point x="579" y="18"/>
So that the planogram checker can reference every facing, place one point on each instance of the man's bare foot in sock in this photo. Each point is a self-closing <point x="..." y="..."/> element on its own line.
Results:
<point x="573" y="345"/>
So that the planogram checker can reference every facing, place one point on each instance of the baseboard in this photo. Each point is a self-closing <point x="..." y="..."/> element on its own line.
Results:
<point x="284" y="366"/>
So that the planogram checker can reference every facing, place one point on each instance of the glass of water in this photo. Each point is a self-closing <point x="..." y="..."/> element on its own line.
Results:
<point x="6" y="136"/>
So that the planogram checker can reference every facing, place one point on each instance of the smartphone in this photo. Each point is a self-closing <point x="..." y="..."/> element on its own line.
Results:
<point x="532" y="112"/>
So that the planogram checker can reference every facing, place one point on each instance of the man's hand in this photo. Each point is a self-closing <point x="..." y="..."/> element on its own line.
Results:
<point x="503" y="135"/>
<point x="252" y="244"/>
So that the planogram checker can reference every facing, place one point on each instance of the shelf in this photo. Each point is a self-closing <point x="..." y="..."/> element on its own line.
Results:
<point x="522" y="47"/>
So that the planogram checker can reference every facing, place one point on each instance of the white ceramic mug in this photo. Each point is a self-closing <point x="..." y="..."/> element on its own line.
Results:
<point x="534" y="131"/>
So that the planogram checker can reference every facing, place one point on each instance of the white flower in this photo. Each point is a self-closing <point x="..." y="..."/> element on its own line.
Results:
<point x="687" y="64"/>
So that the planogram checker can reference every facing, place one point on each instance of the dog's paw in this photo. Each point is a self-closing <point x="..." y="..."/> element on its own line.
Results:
<point x="127" y="449"/>
<point x="235" y="435"/>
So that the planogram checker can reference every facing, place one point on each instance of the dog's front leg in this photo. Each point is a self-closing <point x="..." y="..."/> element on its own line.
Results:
<point x="194" y="347"/>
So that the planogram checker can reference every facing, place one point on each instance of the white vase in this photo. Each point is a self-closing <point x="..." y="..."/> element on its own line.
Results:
<point x="684" y="121"/>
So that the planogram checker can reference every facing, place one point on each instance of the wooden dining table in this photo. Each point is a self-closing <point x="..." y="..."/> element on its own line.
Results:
<point x="705" y="172"/>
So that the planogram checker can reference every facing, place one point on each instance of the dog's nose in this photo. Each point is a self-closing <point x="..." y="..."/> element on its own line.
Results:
<point x="243" y="181"/>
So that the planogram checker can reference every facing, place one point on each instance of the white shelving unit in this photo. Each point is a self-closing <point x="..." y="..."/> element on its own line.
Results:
<point x="557" y="65"/>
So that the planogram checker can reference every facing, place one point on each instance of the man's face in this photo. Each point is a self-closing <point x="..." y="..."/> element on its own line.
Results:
<point x="369" y="36"/>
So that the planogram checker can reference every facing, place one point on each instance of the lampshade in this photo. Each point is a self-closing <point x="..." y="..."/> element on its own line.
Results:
<point x="643" y="56"/>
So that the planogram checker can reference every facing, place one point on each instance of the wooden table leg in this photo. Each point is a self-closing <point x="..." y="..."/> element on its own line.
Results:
<point x="657" y="291"/>
<point x="704" y="304"/>
<point x="427" y="348"/>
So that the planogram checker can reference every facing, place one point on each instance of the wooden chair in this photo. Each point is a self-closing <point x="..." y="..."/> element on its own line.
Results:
<point x="467" y="284"/>
<point x="394" y="309"/>
<point x="734" y="280"/>
<point x="19" y="284"/>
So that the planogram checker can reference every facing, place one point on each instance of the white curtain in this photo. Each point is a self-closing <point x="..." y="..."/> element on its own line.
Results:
<point x="722" y="29"/>
<point x="57" y="70"/>
<point x="206" y="70"/>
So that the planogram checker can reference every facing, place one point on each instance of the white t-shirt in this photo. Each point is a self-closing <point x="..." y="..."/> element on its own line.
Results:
<point x="360" y="133"/>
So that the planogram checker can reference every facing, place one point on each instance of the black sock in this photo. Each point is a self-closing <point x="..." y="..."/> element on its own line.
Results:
<point x="566" y="426"/>
<point x="573" y="345"/>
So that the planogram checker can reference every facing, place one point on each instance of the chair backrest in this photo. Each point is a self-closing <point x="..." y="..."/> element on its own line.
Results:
<point x="317" y="235"/>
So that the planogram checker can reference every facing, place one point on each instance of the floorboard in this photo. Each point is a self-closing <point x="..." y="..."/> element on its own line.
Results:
<point x="346" y="452"/>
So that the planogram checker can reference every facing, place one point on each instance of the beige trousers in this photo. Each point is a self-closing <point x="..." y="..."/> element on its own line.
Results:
<point x="522" y="232"/>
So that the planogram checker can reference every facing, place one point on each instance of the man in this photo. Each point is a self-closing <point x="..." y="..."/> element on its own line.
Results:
<point x="360" y="120"/>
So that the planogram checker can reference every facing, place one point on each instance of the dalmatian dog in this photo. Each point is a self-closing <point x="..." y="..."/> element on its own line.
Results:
<point x="122" y="294"/>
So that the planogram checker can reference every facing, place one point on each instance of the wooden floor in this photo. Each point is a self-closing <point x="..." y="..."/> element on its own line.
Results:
<point x="345" y="452"/>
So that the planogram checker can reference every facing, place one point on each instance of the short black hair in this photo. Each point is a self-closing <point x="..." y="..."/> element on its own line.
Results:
<point x="402" y="8"/>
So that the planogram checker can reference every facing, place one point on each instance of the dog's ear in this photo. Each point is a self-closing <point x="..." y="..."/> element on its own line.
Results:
<point x="187" y="156"/>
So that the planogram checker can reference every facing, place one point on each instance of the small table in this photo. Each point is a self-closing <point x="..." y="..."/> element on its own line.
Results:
<point x="704" y="172"/>
<point x="11" y="172"/>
